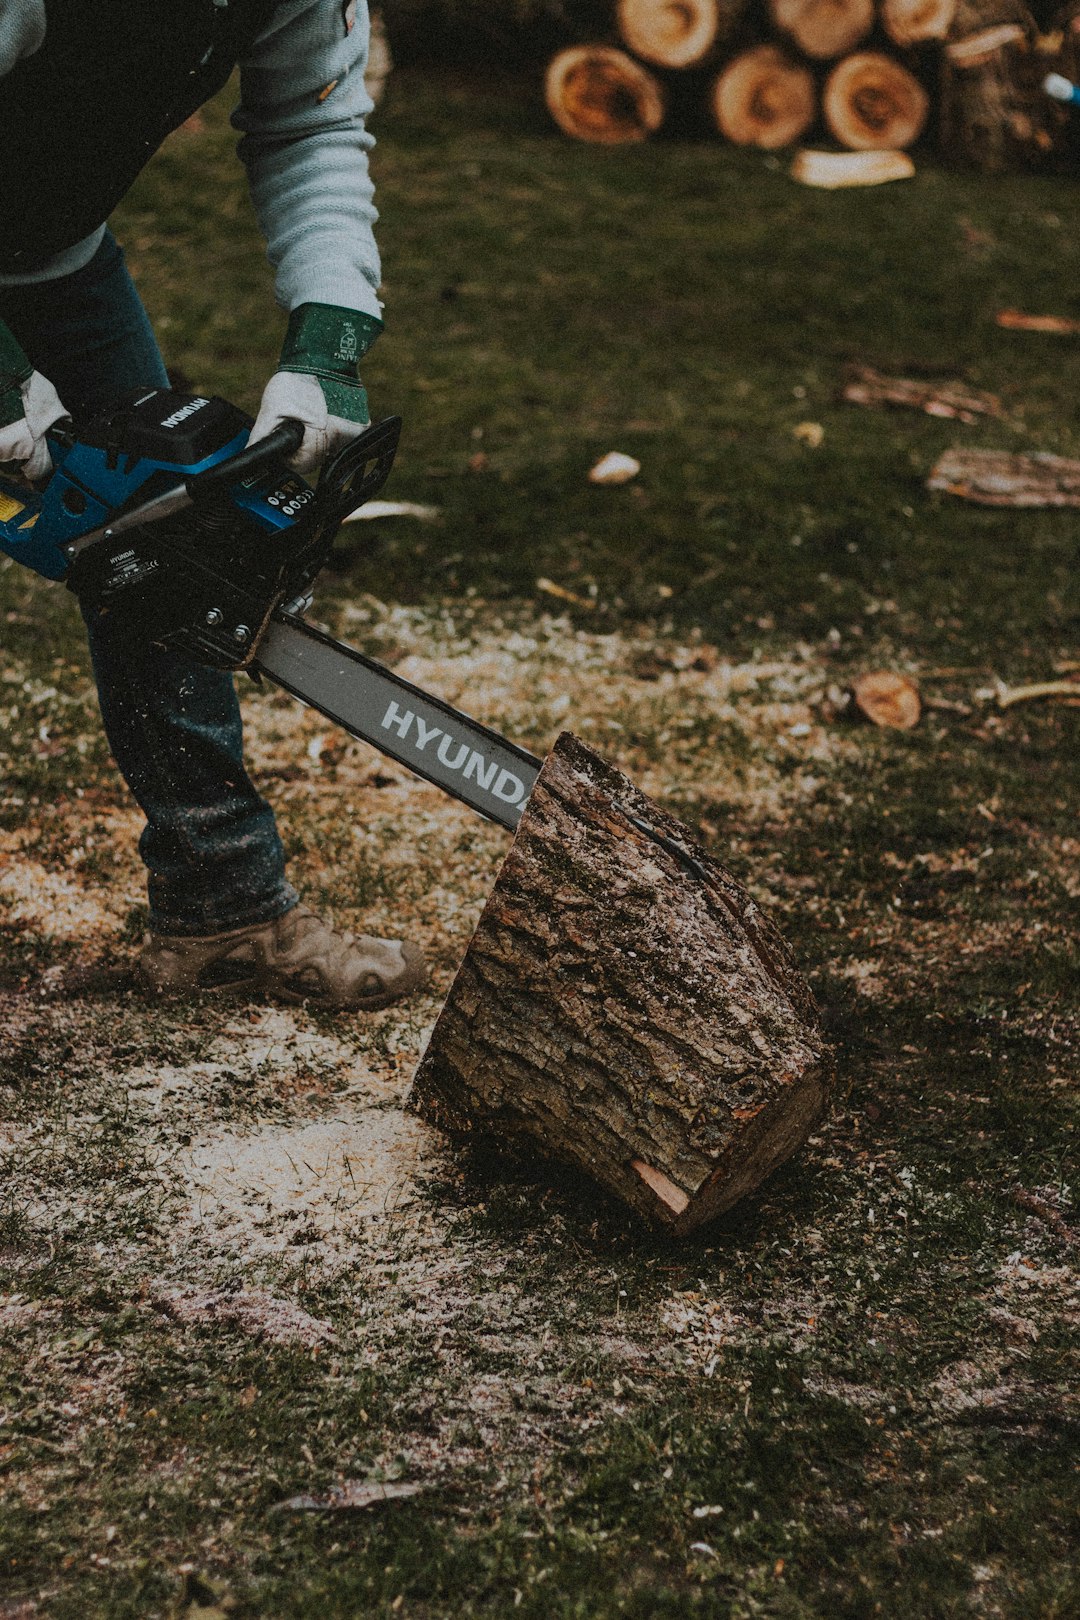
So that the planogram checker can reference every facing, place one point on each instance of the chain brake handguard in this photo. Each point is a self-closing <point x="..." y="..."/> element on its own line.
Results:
<point x="353" y="476"/>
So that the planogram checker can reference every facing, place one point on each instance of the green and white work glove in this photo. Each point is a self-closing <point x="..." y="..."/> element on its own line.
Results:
<point x="317" y="381"/>
<point x="29" y="405"/>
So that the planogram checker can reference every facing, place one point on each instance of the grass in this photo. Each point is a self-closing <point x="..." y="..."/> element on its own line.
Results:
<point x="855" y="1394"/>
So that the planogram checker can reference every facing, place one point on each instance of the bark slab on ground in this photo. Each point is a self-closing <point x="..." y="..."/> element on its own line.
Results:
<point x="997" y="478"/>
<point x="627" y="1007"/>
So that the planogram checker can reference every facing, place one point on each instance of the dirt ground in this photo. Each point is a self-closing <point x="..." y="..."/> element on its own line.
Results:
<point x="272" y="1348"/>
<point x="243" y="1286"/>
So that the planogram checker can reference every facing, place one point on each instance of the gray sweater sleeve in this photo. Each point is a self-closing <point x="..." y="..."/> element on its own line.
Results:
<point x="302" y="109"/>
<point x="22" y="29"/>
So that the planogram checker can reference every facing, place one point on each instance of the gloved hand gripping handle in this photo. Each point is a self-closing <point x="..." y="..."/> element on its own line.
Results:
<point x="284" y="441"/>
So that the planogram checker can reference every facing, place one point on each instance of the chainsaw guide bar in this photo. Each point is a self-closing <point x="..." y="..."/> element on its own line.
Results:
<point x="433" y="740"/>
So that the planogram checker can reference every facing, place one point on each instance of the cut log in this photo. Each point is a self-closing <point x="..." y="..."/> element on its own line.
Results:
<point x="913" y="22"/>
<point x="871" y="101"/>
<point x="831" y="170"/>
<point x="996" y="478"/>
<point x="596" y="93"/>
<point x="625" y="1006"/>
<point x="995" y="115"/>
<point x="380" y="63"/>
<point x="675" y="33"/>
<point x="824" y="28"/>
<point x="764" y="98"/>
<point x="1068" y="61"/>
<point x="1014" y="320"/>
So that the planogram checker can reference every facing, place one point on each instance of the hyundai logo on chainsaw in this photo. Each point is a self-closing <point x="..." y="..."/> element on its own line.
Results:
<point x="184" y="412"/>
<point x="455" y="756"/>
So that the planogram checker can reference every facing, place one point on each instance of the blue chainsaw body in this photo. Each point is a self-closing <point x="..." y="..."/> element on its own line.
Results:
<point x="92" y="483"/>
<point x="161" y="514"/>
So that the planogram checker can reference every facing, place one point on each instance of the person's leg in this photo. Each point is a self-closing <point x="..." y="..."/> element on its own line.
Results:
<point x="212" y="849"/>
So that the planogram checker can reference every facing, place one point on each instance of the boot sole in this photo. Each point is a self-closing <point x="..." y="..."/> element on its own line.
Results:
<point x="264" y="985"/>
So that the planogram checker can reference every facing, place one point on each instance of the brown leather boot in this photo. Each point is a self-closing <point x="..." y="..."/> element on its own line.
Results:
<point x="295" y="958"/>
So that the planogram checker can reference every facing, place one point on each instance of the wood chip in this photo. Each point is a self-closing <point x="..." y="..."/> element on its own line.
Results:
<point x="387" y="509"/>
<point x="887" y="699"/>
<point x="349" y="1497"/>
<point x="996" y="478"/>
<point x="1014" y="320"/>
<point x="810" y="433"/>
<point x="973" y="50"/>
<point x="1068" y="689"/>
<point x="829" y="171"/>
<point x="561" y="594"/>
<point x="865" y="386"/>
<point x="614" y="468"/>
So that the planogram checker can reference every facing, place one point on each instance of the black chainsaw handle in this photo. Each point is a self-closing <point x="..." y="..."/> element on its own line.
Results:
<point x="285" y="440"/>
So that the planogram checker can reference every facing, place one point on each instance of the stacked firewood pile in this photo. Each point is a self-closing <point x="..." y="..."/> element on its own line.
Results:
<point x="866" y="75"/>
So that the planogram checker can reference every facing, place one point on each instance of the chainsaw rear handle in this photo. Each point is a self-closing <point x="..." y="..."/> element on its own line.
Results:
<point x="285" y="440"/>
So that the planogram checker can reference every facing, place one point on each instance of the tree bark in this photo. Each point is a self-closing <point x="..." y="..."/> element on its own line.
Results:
<point x="994" y="113"/>
<point x="865" y="386"/>
<point x="675" y="33"/>
<point x="625" y="1006"/>
<point x="913" y="22"/>
<point x="996" y="478"/>
<point x="596" y="93"/>
<point x="872" y="102"/>
<point x="823" y="28"/>
<point x="764" y="98"/>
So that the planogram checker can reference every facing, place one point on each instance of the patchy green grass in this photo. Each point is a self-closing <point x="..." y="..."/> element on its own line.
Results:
<point x="233" y="1274"/>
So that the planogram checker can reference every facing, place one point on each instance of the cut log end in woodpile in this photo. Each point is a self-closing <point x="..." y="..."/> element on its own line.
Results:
<point x="823" y="29"/>
<point x="625" y="1006"/>
<point x="872" y="101"/>
<point x="914" y="22"/>
<point x="830" y="171"/>
<point x="599" y="94"/>
<point x="669" y="33"/>
<point x="764" y="98"/>
<point x="984" y="63"/>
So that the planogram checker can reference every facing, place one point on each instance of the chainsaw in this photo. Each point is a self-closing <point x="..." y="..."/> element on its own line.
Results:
<point x="161" y="514"/>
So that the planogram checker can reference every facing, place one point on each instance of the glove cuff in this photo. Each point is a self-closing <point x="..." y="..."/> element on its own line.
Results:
<point x="15" y="368"/>
<point x="326" y="341"/>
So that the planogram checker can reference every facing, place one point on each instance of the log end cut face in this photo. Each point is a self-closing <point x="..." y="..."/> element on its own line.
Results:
<point x="764" y="98"/>
<point x="913" y="22"/>
<point x="669" y="33"/>
<point x="871" y="101"/>
<point x="824" y="29"/>
<point x="626" y="1006"/>
<point x="596" y="93"/>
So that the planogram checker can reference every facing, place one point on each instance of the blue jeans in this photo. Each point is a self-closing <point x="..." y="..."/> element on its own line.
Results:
<point x="212" y="850"/>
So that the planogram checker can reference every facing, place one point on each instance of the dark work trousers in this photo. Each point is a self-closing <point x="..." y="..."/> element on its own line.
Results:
<point x="210" y="845"/>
